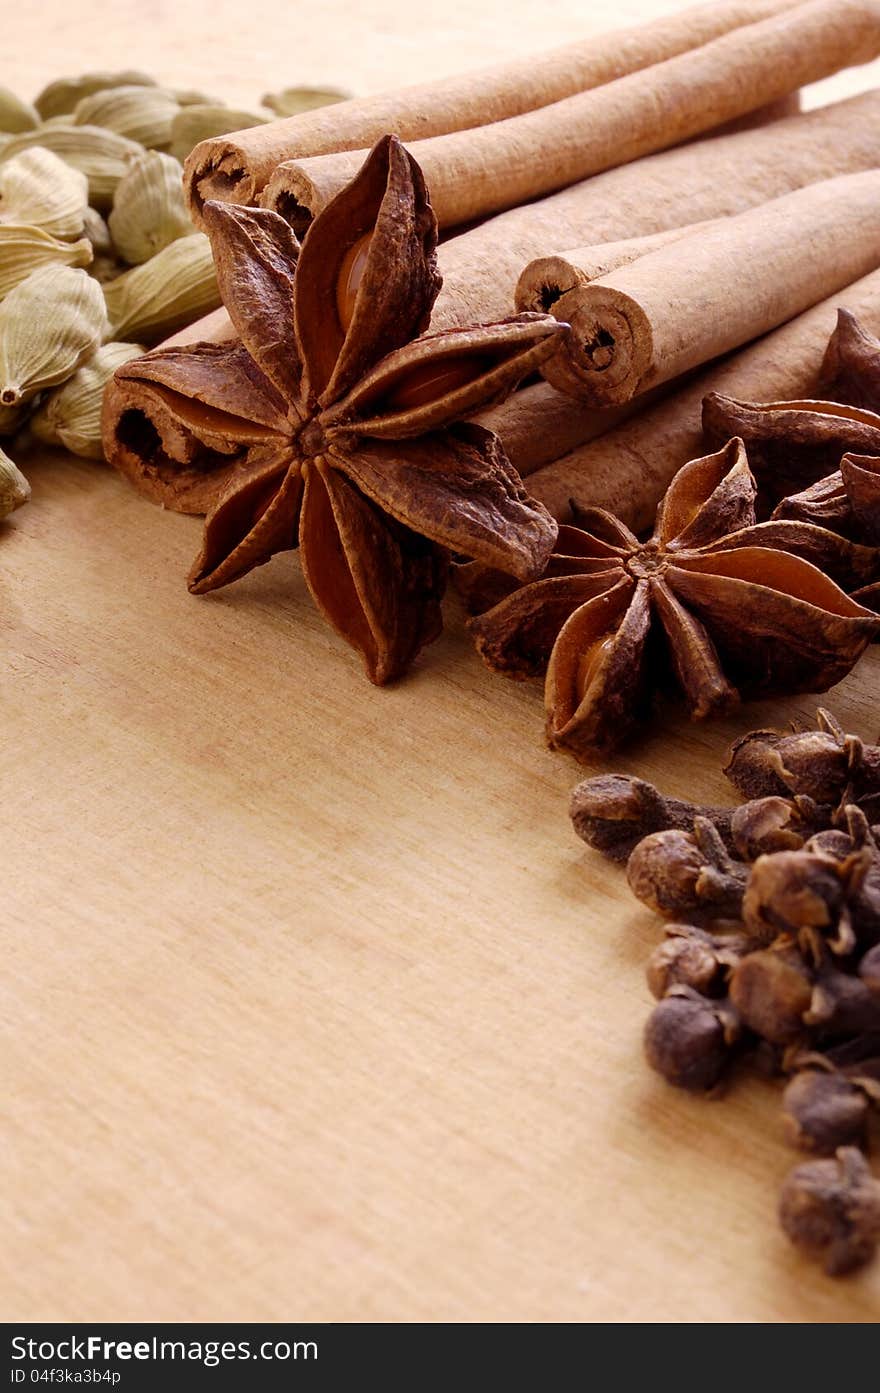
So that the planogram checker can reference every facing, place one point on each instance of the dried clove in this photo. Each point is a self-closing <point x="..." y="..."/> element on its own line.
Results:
<point x="688" y="873"/>
<point x="824" y="1110"/>
<point x="613" y="812"/>
<point x="772" y="989"/>
<point x="766" y="825"/>
<point x="793" y="890"/>
<point x="690" y="1039"/>
<point x="774" y="955"/>
<point x="826" y="764"/>
<point x="832" y="1209"/>
<point x="692" y="957"/>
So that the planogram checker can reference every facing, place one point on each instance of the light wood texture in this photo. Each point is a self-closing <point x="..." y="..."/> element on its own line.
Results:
<point x="314" y="1007"/>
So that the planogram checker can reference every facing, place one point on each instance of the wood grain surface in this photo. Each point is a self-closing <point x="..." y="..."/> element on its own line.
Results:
<point x="313" y="1006"/>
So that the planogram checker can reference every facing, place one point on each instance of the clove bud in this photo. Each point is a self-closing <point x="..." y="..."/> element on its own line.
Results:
<point x="680" y="873"/>
<point x="765" y="825"/>
<point x="772" y="990"/>
<point x="612" y="813"/>
<point x="832" y="1209"/>
<point x="691" y="957"/>
<point x="689" y="1039"/>
<point x="824" y="1110"/>
<point x="825" y="764"/>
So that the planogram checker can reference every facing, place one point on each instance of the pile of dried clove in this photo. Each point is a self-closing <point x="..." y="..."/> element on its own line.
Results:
<point x="772" y="955"/>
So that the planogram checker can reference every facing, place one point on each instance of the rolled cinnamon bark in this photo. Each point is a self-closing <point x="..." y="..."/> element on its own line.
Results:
<point x="702" y="181"/>
<point x="483" y="170"/>
<point x="236" y="167"/>
<point x="707" y="179"/>
<point x="628" y="469"/>
<point x="652" y="318"/>
<point x="538" y="424"/>
<point x="547" y="280"/>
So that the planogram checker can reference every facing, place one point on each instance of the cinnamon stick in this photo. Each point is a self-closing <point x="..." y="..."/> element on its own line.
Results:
<point x="651" y="318"/>
<point x="628" y="469"/>
<point x="484" y="169"/>
<point x="707" y="179"/>
<point x="236" y="167"/>
<point x="538" y="424"/>
<point x="546" y="281"/>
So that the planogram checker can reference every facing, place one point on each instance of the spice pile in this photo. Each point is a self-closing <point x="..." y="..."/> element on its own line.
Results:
<point x="356" y="399"/>
<point x="771" y="957"/>
<point x="98" y="255"/>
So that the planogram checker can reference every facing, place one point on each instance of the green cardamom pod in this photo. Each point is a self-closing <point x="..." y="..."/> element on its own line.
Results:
<point x="61" y="96"/>
<point x="143" y="114"/>
<point x="292" y="100"/>
<point x="101" y="155"/>
<point x="48" y="324"/>
<point x="170" y="290"/>
<point x="37" y="188"/>
<point x="24" y="249"/>
<point x="191" y="96"/>
<point x="149" y="211"/>
<point x="98" y="233"/>
<point x="16" y="115"/>
<point x="200" y="122"/>
<point x="14" y="487"/>
<point x="70" y="415"/>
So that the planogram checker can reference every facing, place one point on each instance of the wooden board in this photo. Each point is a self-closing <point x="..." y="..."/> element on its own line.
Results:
<point x="313" y="1005"/>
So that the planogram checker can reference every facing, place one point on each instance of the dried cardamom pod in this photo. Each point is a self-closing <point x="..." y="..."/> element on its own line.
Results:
<point x="191" y="96"/>
<point x="292" y="100"/>
<point x="71" y="414"/>
<point x="98" y="233"/>
<point x="61" y="96"/>
<point x="37" y="188"/>
<point x="101" y="155"/>
<point x="203" y="120"/>
<point x="16" y="115"/>
<point x="143" y="114"/>
<point x="24" y="249"/>
<point x="48" y="325"/>
<point x="14" y="487"/>
<point x="149" y="211"/>
<point x="172" y="289"/>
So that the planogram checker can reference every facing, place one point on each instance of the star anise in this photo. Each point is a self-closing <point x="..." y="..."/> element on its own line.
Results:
<point x="850" y="371"/>
<point x="719" y="601"/>
<point x="791" y="444"/>
<point x="333" y="424"/>
<point x="798" y="448"/>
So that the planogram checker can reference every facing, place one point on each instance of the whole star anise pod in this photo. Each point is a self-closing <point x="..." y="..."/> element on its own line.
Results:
<point x="850" y="371"/>
<point x="819" y="461"/>
<point x="847" y="502"/>
<point x="719" y="601"/>
<point x="338" y="420"/>
<point x="791" y="444"/>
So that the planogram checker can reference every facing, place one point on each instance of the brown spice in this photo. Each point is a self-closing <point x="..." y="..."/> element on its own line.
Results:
<point x="832" y="1208"/>
<point x="774" y="959"/>
<point x="791" y="444"/>
<point x="850" y="371"/>
<point x="340" y="427"/>
<point x="822" y="1110"/>
<point x="824" y="764"/>
<point x="740" y="612"/>
<point x="687" y="873"/>
<point x="690" y="1040"/>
